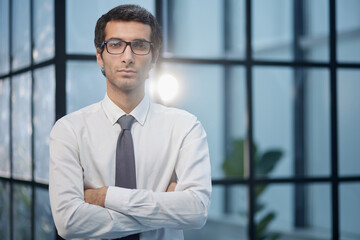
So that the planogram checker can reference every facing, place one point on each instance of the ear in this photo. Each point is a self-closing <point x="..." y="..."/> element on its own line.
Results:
<point x="99" y="58"/>
<point x="155" y="58"/>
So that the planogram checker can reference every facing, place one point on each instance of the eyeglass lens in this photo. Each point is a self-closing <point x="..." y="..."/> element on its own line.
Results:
<point x="117" y="46"/>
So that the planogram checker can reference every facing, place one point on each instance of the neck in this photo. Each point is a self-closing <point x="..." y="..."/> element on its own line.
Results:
<point x="126" y="101"/>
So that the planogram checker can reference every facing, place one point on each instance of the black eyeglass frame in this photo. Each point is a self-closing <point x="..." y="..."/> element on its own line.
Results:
<point x="104" y="43"/>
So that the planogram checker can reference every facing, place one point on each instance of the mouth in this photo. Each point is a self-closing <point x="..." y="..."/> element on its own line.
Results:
<point x="126" y="71"/>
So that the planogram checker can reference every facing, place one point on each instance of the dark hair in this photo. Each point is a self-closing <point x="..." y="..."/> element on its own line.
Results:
<point x="128" y="12"/>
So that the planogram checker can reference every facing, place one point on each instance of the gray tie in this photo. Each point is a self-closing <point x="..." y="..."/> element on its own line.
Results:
<point x="125" y="161"/>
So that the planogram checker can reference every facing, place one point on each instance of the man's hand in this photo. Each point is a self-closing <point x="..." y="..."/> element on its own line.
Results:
<point x="96" y="196"/>
<point x="171" y="187"/>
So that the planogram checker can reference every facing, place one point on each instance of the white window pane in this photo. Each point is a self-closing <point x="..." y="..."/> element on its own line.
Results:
<point x="85" y="84"/>
<point x="4" y="39"/>
<point x="44" y="35"/>
<point x="5" y="209"/>
<point x="196" y="31"/>
<point x="317" y="122"/>
<point x="4" y="128"/>
<point x="21" y="125"/>
<point x="44" y="224"/>
<point x="349" y="210"/>
<point x="273" y="115"/>
<point x="348" y="30"/>
<point x="348" y="121"/>
<point x="22" y="211"/>
<point x="44" y="117"/>
<point x="272" y="29"/>
<point x="21" y="34"/>
<point x="315" y="41"/>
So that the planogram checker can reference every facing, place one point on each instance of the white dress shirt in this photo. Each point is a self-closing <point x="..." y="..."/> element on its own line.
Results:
<point x="168" y="143"/>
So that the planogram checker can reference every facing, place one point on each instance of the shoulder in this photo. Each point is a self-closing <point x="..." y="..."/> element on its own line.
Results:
<point x="76" y="120"/>
<point x="172" y="114"/>
<point x="173" y="119"/>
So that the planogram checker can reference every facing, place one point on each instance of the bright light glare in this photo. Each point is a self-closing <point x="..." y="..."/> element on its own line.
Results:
<point x="167" y="88"/>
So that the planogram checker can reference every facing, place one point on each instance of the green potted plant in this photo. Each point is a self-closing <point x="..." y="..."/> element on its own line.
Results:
<point x="234" y="166"/>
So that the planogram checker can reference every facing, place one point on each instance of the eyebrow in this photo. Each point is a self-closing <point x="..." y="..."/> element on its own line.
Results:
<point x="138" y="39"/>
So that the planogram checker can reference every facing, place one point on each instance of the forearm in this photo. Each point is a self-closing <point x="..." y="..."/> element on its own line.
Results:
<point x="82" y="220"/>
<point x="97" y="196"/>
<point x="187" y="207"/>
<point x="179" y="210"/>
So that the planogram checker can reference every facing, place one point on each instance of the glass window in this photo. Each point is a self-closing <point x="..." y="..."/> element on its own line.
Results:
<point x="316" y="121"/>
<point x="194" y="32"/>
<point x="4" y="128"/>
<point x="273" y="116"/>
<point x="192" y="97"/>
<point x="4" y="210"/>
<point x="349" y="210"/>
<point x="80" y="25"/>
<point x="235" y="23"/>
<point x="44" y="36"/>
<point x="237" y="102"/>
<point x="85" y="84"/>
<point x="315" y="40"/>
<point x="235" y="122"/>
<point x="44" y="225"/>
<point x="44" y="118"/>
<point x="21" y="34"/>
<point x="348" y="121"/>
<point x="285" y="109"/>
<point x="272" y="29"/>
<point x="4" y="40"/>
<point x="22" y="211"/>
<point x="275" y="215"/>
<point x="21" y="125"/>
<point x="348" y="30"/>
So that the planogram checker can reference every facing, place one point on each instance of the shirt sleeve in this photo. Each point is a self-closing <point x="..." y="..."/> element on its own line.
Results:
<point x="73" y="217"/>
<point x="187" y="206"/>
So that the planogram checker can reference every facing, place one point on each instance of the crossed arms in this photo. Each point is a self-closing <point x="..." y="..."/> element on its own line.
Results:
<point x="97" y="196"/>
<point x="112" y="212"/>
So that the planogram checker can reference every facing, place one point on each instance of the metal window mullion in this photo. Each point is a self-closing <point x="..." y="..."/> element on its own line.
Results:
<point x="10" y="122"/>
<point x="227" y="102"/>
<point x="249" y="156"/>
<point x="33" y="189"/>
<point x="334" y="122"/>
<point x="60" y="58"/>
<point x="60" y="62"/>
<point x="299" y="116"/>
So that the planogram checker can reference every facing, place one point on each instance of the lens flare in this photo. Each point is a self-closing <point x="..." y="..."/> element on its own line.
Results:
<point x="167" y="88"/>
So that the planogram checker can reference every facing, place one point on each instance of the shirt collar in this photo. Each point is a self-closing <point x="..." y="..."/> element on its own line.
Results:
<point x="113" y="112"/>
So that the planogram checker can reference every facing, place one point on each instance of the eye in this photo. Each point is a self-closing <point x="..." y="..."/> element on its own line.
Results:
<point x="115" y="44"/>
<point x="140" y="44"/>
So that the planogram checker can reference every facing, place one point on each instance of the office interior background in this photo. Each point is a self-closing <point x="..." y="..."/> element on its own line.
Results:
<point x="275" y="83"/>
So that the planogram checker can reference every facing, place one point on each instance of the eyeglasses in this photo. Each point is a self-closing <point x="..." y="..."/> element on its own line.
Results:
<point x="118" y="46"/>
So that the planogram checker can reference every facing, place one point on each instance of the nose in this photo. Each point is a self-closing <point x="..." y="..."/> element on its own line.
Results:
<point x="128" y="55"/>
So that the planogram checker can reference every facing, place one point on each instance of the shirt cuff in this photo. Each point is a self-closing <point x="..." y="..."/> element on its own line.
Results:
<point x="117" y="199"/>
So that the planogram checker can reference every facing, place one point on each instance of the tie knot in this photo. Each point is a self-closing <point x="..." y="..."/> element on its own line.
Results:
<point x="126" y="121"/>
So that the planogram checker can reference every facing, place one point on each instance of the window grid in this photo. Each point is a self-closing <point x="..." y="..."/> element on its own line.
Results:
<point x="334" y="179"/>
<point x="31" y="68"/>
<point x="249" y="63"/>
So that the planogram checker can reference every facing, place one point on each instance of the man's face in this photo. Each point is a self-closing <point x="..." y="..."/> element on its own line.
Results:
<point x="126" y="72"/>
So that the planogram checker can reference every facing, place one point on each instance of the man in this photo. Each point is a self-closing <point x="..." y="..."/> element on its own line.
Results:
<point x="170" y="161"/>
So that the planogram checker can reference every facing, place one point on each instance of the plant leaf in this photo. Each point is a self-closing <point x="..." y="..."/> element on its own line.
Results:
<point x="259" y="189"/>
<point x="264" y="222"/>
<point x="233" y="166"/>
<point x="266" y="163"/>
